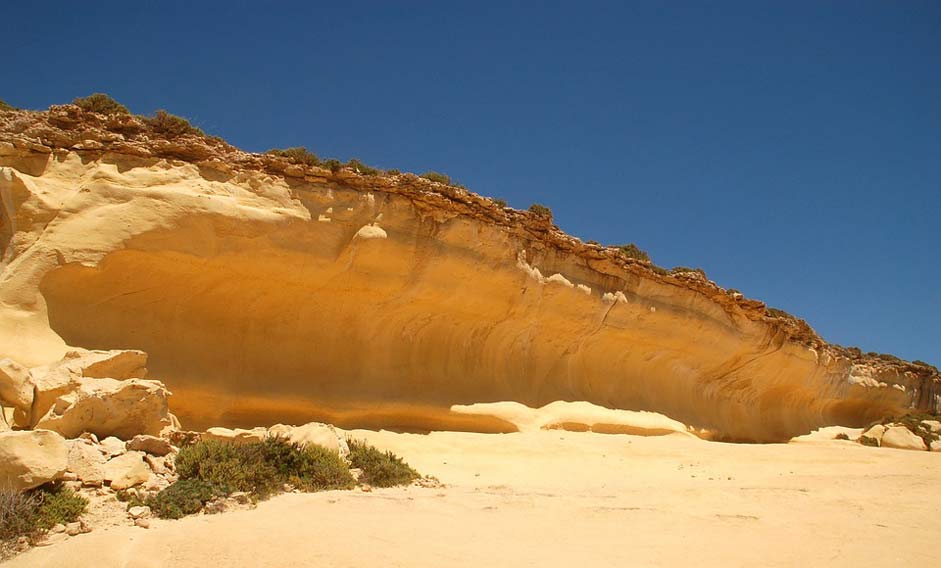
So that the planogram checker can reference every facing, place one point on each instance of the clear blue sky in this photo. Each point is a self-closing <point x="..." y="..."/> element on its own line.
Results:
<point x="791" y="149"/>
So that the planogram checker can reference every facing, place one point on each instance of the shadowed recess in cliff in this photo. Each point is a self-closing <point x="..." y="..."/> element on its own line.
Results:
<point x="256" y="323"/>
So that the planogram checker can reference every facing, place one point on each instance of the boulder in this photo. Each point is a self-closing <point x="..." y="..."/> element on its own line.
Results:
<point x="110" y="407"/>
<point x="902" y="438"/>
<point x="87" y="462"/>
<point x="66" y="376"/>
<point x="318" y="433"/>
<point x="112" y="446"/>
<point x="933" y="425"/>
<point x="150" y="444"/>
<point x="935" y="446"/>
<point x="874" y="433"/>
<point x="30" y="458"/>
<point x="127" y="470"/>
<point x="16" y="391"/>
<point x="238" y="436"/>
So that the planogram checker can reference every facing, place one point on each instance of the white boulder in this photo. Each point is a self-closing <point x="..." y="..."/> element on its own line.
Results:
<point x="902" y="438"/>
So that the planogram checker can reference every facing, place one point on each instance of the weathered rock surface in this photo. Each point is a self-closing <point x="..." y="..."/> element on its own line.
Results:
<point x="16" y="390"/>
<point x="30" y="458"/>
<point x="258" y="303"/>
<point x="127" y="470"/>
<point x="150" y="444"/>
<point x="87" y="462"/>
<point x="325" y="435"/>
<point x="902" y="438"/>
<point x="238" y="435"/>
<point x="876" y="432"/>
<point x="109" y="407"/>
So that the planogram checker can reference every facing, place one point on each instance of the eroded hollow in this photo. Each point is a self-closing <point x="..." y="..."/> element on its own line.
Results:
<point x="253" y="324"/>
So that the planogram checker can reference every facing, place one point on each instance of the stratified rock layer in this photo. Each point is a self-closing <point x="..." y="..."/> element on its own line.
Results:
<point x="269" y="292"/>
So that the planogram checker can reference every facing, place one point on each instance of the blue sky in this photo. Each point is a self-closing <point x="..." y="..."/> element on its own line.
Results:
<point x="791" y="149"/>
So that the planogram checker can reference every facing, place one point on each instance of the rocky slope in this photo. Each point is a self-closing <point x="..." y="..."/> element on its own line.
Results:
<point x="266" y="291"/>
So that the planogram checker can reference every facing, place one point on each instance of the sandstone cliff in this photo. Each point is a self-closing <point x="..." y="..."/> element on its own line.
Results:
<point x="266" y="291"/>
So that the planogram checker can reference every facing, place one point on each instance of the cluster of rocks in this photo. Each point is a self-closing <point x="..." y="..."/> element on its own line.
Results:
<point x="900" y="436"/>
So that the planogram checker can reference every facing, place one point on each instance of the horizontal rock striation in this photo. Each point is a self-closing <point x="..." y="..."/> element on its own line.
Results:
<point x="266" y="291"/>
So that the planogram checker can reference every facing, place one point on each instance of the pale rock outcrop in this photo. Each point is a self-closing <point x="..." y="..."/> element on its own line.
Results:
<point x="16" y="390"/>
<point x="109" y="407"/>
<point x="127" y="470"/>
<point x="325" y="435"/>
<point x="933" y="425"/>
<point x="87" y="462"/>
<point x="238" y="435"/>
<point x="875" y="433"/>
<point x="902" y="438"/>
<point x="417" y="296"/>
<point x="150" y="444"/>
<point x="30" y="458"/>
<point x="112" y="446"/>
<point x="936" y="446"/>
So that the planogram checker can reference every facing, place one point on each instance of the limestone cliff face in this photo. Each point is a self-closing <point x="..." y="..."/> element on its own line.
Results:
<point x="267" y="292"/>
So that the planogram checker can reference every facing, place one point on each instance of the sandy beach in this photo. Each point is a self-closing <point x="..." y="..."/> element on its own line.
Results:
<point x="556" y="498"/>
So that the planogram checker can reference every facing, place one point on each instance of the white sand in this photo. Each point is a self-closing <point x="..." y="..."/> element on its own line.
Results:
<point x="572" y="499"/>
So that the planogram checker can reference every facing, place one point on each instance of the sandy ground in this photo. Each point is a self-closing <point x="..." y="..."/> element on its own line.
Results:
<point x="556" y="498"/>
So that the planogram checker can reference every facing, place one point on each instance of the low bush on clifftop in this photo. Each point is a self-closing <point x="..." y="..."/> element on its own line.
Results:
<point x="172" y="126"/>
<point x="100" y="103"/>
<point x="631" y="250"/>
<point x="541" y="210"/>
<point x="4" y="106"/>
<point x="298" y="155"/>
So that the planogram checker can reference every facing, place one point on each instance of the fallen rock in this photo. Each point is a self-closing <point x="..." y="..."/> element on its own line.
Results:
<point x="150" y="444"/>
<point x="112" y="446"/>
<point x="933" y="425"/>
<point x="138" y="512"/>
<point x="157" y="464"/>
<point x="142" y="523"/>
<point x="16" y="390"/>
<point x="30" y="458"/>
<point x="73" y="529"/>
<point x="935" y="446"/>
<point x="325" y="435"/>
<point x="902" y="438"/>
<point x="127" y="470"/>
<point x="874" y="433"/>
<point x="238" y="436"/>
<point x="109" y="407"/>
<point x="57" y="528"/>
<point x="87" y="463"/>
<point x="114" y="364"/>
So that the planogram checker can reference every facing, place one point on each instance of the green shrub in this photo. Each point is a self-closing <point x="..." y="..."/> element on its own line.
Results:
<point x="185" y="497"/>
<point x="437" y="177"/>
<point x="361" y="168"/>
<point x="631" y="250"/>
<point x="59" y="504"/>
<point x="776" y="313"/>
<point x="680" y="269"/>
<point x="393" y="172"/>
<point x="172" y="126"/>
<point x="842" y="436"/>
<point x="4" y="106"/>
<point x="659" y="270"/>
<point x="541" y="211"/>
<point x="867" y="441"/>
<point x="298" y="155"/>
<point x="924" y="364"/>
<point x="31" y="513"/>
<point x="499" y="203"/>
<point x="332" y="164"/>
<point x="382" y="469"/>
<point x="19" y="515"/>
<point x="262" y="468"/>
<point x="100" y="103"/>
